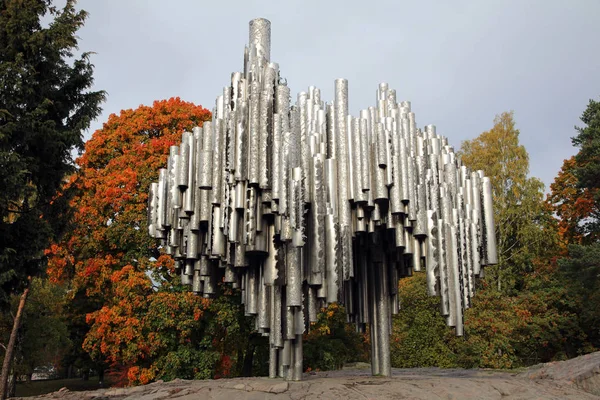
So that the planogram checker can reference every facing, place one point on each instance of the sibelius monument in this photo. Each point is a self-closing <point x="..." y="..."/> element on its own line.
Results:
<point x="304" y="205"/>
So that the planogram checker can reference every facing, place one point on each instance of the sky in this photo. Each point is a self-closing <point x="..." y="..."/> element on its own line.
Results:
<point x="460" y="63"/>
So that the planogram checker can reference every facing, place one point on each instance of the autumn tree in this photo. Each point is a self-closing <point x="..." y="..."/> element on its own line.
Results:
<point x="527" y="310"/>
<point x="523" y="312"/>
<point x="45" y="105"/>
<point x="521" y="228"/>
<point x="140" y="319"/>
<point x="575" y="207"/>
<point x="587" y="164"/>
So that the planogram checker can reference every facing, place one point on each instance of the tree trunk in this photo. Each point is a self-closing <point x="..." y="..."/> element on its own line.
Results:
<point x="499" y="285"/>
<point x="11" y="345"/>
<point x="101" y="377"/>
<point x="12" y="384"/>
<point x="248" y="360"/>
<point x="240" y="362"/>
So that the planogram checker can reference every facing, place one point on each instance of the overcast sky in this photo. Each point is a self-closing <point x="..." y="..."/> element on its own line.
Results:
<point x="459" y="62"/>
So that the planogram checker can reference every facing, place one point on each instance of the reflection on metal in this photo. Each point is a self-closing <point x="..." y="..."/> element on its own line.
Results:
<point x="304" y="205"/>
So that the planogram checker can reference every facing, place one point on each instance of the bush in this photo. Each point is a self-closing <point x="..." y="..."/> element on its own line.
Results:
<point x="420" y="337"/>
<point x="331" y="342"/>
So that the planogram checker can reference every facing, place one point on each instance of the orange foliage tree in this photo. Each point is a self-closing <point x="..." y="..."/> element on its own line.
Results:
<point x="127" y="309"/>
<point x="574" y="206"/>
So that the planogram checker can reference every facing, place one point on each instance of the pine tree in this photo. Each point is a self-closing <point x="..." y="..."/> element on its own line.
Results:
<point x="587" y="161"/>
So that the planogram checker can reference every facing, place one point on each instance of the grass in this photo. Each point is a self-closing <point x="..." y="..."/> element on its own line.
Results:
<point x="36" y="388"/>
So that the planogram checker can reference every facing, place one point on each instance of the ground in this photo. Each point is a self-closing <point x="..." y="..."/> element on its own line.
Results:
<point x="573" y="379"/>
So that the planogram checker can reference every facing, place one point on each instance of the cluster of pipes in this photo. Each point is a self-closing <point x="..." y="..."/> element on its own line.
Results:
<point x="304" y="205"/>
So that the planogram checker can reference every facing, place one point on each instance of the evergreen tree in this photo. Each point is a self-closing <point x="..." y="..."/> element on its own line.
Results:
<point x="581" y="268"/>
<point x="45" y="105"/>
<point x="587" y="162"/>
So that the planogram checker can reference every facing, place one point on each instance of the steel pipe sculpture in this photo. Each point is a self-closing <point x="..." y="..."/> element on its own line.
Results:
<point x="305" y="205"/>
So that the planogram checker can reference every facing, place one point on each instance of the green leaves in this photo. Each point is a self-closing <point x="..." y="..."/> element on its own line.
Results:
<point x="583" y="264"/>
<point x="331" y="342"/>
<point x="588" y="141"/>
<point x="45" y="104"/>
<point x="39" y="347"/>
<point x="419" y="333"/>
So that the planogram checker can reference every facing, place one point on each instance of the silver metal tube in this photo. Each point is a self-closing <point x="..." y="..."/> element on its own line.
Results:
<point x="275" y="155"/>
<point x="175" y="192"/>
<point x="260" y="39"/>
<point x="205" y="173"/>
<point x="489" y="224"/>
<point x="152" y="209"/>
<point x="188" y="206"/>
<point x="183" y="167"/>
<point x="332" y="268"/>
<point x="294" y="277"/>
<point x="266" y="127"/>
<point x="341" y="114"/>
<point x="384" y="322"/>
<point x="351" y="159"/>
<point x="253" y="133"/>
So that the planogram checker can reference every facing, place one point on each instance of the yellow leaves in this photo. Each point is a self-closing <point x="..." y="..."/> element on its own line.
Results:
<point x="499" y="154"/>
<point x="324" y="330"/>
<point x="521" y="217"/>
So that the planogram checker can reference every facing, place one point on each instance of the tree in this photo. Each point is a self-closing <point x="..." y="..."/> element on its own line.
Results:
<point x="539" y="320"/>
<point x="154" y="334"/>
<point x="576" y="200"/>
<point x="588" y="141"/>
<point x="521" y="218"/>
<point x="39" y="347"/>
<point x="539" y="313"/>
<point x="575" y="206"/>
<point x="45" y="104"/>
<point x="541" y="323"/>
<point x="147" y="328"/>
<point x="582" y="272"/>
<point x="587" y="165"/>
